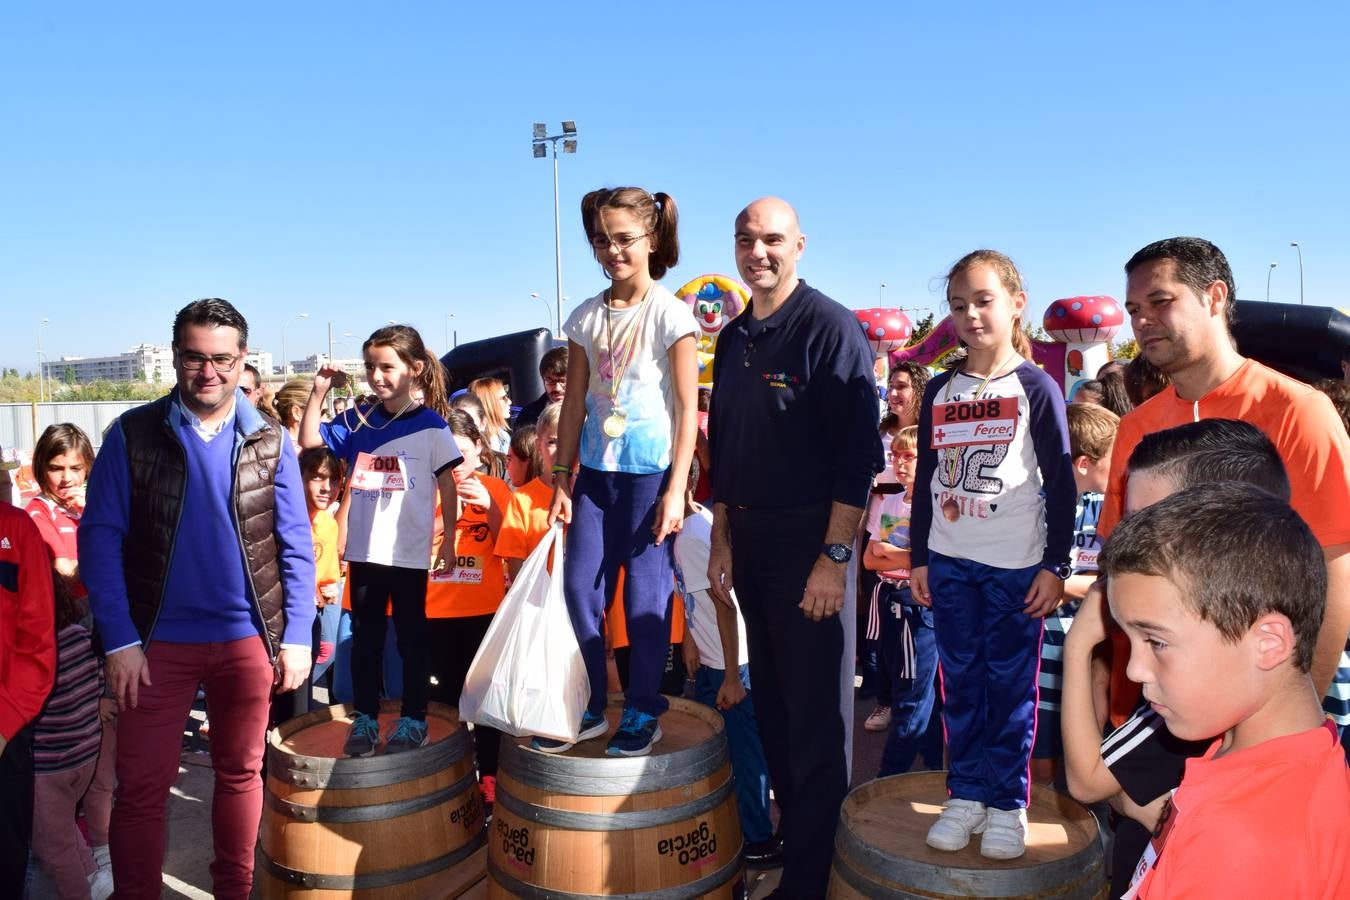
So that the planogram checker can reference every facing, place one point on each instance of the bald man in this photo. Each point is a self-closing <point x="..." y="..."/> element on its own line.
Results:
<point x="793" y="434"/>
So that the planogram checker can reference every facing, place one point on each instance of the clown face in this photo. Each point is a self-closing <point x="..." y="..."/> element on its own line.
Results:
<point x="708" y="312"/>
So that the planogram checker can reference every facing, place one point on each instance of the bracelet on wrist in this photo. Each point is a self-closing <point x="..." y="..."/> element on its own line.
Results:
<point x="561" y="470"/>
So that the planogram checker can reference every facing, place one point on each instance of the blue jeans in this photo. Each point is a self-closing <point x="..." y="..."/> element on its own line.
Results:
<point x="612" y="515"/>
<point x="912" y="722"/>
<point x="325" y="632"/>
<point x="747" y="753"/>
<point x="990" y="651"/>
<point x="342" y="662"/>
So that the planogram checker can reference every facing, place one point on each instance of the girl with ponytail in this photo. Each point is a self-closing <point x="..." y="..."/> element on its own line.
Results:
<point x="629" y="419"/>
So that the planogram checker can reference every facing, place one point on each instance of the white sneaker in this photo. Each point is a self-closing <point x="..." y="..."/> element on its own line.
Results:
<point x="101" y="884"/>
<point x="879" y="720"/>
<point x="1005" y="835"/>
<point x="102" y="857"/>
<point x="959" y="820"/>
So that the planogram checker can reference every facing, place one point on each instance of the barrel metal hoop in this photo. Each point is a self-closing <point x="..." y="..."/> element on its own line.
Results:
<point x="925" y="879"/>
<point x="620" y="821"/>
<point x="698" y="888"/>
<point x="318" y="882"/>
<point x="374" y="812"/>
<point x="376" y="771"/>
<point x="612" y="777"/>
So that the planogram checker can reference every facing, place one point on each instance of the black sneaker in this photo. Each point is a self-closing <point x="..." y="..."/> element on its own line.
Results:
<point x="765" y="854"/>
<point x="636" y="735"/>
<point x="592" y="726"/>
<point x="363" y="738"/>
<point x="408" y="734"/>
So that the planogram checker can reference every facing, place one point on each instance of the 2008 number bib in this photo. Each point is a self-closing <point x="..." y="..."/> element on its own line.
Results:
<point x="965" y="422"/>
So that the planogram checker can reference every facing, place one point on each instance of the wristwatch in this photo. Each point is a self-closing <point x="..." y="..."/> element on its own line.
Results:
<point x="840" y="553"/>
<point x="1061" y="571"/>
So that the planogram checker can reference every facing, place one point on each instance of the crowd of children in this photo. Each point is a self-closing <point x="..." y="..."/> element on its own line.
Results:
<point x="992" y="613"/>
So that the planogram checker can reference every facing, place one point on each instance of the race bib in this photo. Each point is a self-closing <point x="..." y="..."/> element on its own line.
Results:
<point x="467" y="570"/>
<point x="965" y="422"/>
<point x="378" y="473"/>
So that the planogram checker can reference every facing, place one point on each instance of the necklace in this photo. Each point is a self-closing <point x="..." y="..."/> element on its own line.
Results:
<point x="616" y="423"/>
<point x="366" y="422"/>
<point x="951" y="456"/>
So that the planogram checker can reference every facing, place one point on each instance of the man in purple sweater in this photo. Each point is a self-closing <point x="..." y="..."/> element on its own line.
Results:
<point x="195" y="546"/>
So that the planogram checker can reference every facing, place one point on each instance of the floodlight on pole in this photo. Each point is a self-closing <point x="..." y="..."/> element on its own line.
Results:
<point x="1295" y="245"/>
<point x="548" y="311"/>
<point x="568" y="137"/>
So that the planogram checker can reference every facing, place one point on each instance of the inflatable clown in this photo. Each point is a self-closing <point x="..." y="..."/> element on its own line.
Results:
<point x="715" y="300"/>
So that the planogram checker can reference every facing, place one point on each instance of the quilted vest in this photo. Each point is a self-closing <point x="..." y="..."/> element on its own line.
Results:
<point x="158" y="466"/>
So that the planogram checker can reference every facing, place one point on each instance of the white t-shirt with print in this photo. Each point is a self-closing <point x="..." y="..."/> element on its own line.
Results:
<point x="693" y="544"/>
<point x="645" y="395"/>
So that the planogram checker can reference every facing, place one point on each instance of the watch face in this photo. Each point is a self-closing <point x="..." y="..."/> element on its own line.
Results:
<point x="838" y="552"/>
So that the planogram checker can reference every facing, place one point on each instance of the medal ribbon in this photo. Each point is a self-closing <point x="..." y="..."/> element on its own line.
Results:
<point x="619" y="363"/>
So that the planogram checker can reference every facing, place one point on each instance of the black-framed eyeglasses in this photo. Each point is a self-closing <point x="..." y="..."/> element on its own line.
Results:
<point x="194" y="362"/>
<point x="601" y="242"/>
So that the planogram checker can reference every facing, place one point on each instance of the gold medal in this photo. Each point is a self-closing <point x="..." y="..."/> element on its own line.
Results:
<point x="951" y="510"/>
<point x="615" y="424"/>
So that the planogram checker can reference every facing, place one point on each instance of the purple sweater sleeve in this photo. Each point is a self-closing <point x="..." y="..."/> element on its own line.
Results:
<point x="295" y="549"/>
<point x="921" y="512"/>
<point x="103" y="529"/>
<point x="1049" y="431"/>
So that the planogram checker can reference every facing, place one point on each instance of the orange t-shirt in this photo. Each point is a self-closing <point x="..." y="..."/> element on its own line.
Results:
<point x="1300" y="422"/>
<point x="525" y="521"/>
<point x="1268" y="821"/>
<point x="476" y="585"/>
<point x="618" y="625"/>
<point x="325" y="531"/>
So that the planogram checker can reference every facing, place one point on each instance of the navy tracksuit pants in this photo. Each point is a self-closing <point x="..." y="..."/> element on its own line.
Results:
<point x="612" y="514"/>
<point x="990" y="653"/>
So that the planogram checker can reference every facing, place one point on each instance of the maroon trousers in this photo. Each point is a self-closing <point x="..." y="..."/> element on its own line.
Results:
<point x="237" y="676"/>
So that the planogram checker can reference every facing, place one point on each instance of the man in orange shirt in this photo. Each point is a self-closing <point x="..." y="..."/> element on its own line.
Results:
<point x="1222" y="641"/>
<point x="1179" y="294"/>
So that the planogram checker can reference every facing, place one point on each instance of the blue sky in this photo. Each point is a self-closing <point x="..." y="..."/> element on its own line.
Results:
<point x="367" y="162"/>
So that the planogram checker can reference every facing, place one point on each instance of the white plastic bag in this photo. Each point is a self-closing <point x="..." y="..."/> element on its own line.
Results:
<point x="528" y="677"/>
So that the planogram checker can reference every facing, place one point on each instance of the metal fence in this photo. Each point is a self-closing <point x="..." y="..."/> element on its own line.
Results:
<point x="21" y="423"/>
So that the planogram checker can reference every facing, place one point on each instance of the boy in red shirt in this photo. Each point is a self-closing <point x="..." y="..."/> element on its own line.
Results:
<point x="1221" y="641"/>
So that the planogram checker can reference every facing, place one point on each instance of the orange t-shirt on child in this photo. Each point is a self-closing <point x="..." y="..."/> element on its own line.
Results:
<point x="476" y="584"/>
<point x="1269" y="821"/>
<point x="325" y="531"/>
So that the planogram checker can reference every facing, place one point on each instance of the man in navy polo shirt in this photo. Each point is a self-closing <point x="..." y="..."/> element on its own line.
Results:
<point x="793" y="432"/>
<point x="196" y="549"/>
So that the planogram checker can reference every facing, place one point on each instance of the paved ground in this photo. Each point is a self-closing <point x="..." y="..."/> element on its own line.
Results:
<point x="188" y="859"/>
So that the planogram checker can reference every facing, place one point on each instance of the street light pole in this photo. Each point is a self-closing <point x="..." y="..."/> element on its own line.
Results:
<point x="1295" y="245"/>
<point x="880" y="288"/>
<point x="569" y="139"/>
<point x="42" y="391"/>
<point x="547" y="311"/>
<point x="1269" y="272"/>
<point x="285" y="361"/>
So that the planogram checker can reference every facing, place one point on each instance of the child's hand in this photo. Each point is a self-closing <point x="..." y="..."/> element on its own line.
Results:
<point x="690" y="652"/>
<point x="731" y="692"/>
<point x="327" y="378"/>
<point x="472" y="492"/>
<point x="329" y="593"/>
<point x="1046" y="591"/>
<point x="669" y="517"/>
<point x="1089" y="623"/>
<point x="918" y="586"/>
<point x="107" y="709"/>
<point x="560" y="508"/>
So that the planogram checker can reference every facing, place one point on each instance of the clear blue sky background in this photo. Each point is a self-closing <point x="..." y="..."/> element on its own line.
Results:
<point x="366" y="162"/>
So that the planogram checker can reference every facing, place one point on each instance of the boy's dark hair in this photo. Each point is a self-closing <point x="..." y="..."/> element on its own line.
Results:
<point x="213" y="312"/>
<point x="57" y="440"/>
<point x="253" y="370"/>
<point x="1092" y="430"/>
<point x="1339" y="393"/>
<point x="316" y="459"/>
<point x="1143" y="380"/>
<point x="1203" y="540"/>
<point x="1212" y="450"/>
<point x="1114" y="395"/>
<point x="553" y="363"/>
<point x="1199" y="264"/>
<point x="1091" y="391"/>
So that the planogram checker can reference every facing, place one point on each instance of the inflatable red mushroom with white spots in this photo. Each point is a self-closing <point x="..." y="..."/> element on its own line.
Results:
<point x="886" y="329"/>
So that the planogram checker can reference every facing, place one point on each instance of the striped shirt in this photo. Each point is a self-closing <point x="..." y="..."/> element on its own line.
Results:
<point x="1083" y="560"/>
<point x="67" y="732"/>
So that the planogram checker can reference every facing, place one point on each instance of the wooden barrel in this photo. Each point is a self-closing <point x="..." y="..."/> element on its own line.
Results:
<point x="880" y="852"/>
<point x="581" y="824"/>
<point x="406" y="825"/>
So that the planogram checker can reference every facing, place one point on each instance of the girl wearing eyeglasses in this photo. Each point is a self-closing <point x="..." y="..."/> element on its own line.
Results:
<point x="629" y="418"/>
